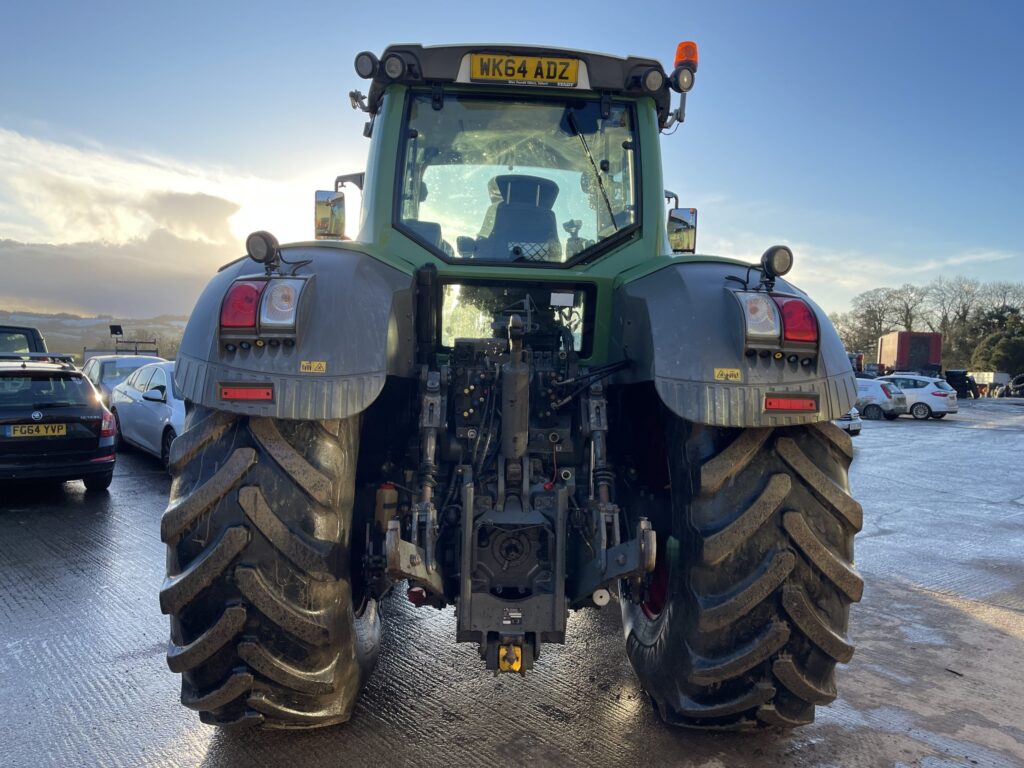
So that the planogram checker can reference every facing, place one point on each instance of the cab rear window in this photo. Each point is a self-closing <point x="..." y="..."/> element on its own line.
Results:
<point x="14" y="343"/>
<point x="944" y="386"/>
<point x="43" y="389"/>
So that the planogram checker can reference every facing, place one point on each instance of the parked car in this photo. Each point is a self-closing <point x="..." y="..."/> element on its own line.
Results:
<point x="877" y="398"/>
<point x="53" y="425"/>
<point x="107" y="371"/>
<point x="147" y="409"/>
<point x="850" y="422"/>
<point x="926" y="396"/>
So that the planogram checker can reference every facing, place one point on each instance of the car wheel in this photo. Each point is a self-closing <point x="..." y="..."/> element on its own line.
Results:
<point x="165" y="447"/>
<point x="98" y="482"/>
<point x="853" y="432"/>
<point x="938" y="415"/>
<point x="920" y="411"/>
<point x="872" y="412"/>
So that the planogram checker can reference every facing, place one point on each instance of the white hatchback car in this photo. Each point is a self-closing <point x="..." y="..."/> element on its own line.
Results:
<point x="148" y="411"/>
<point x="926" y="395"/>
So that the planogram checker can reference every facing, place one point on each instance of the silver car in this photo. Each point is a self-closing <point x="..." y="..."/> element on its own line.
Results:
<point x="850" y="422"/>
<point x="107" y="371"/>
<point x="148" y="410"/>
<point x="877" y="399"/>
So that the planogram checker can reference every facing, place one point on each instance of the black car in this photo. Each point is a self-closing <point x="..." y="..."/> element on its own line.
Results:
<point x="52" y="424"/>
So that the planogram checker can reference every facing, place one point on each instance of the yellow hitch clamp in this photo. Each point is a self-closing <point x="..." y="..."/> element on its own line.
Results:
<point x="510" y="658"/>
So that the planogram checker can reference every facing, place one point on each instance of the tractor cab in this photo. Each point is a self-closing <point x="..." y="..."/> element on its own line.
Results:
<point x="506" y="155"/>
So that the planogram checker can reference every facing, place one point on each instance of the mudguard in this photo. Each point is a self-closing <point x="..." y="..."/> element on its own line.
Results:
<point x="354" y="329"/>
<point x="684" y="332"/>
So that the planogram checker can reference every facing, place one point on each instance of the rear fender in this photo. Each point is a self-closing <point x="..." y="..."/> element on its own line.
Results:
<point x="354" y="329"/>
<point x="681" y="329"/>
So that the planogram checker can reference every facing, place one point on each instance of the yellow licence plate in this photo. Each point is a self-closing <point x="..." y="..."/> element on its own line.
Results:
<point x="38" y="430"/>
<point x="523" y="70"/>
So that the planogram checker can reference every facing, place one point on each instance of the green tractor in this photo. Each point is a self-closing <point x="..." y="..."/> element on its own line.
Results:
<point x="519" y="392"/>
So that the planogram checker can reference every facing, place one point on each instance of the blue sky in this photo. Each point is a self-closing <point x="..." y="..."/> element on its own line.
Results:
<point x="880" y="139"/>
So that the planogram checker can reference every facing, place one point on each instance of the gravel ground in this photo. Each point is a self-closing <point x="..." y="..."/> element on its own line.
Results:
<point x="936" y="679"/>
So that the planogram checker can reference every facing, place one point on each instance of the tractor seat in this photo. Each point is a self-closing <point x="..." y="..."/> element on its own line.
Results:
<point x="523" y="223"/>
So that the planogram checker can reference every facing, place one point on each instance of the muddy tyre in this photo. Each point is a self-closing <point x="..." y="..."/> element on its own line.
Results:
<point x="756" y="578"/>
<point x="265" y="627"/>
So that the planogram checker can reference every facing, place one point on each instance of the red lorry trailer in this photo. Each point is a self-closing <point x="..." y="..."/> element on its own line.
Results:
<point x="910" y="351"/>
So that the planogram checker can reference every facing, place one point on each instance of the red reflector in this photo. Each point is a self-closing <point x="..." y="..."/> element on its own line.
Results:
<point x="101" y="458"/>
<point x="246" y="392"/>
<point x="790" y="403"/>
<point x="241" y="304"/>
<point x="798" y="321"/>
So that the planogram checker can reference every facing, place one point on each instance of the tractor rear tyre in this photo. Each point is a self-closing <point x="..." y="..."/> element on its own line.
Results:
<point x="266" y="628"/>
<point x="747" y="610"/>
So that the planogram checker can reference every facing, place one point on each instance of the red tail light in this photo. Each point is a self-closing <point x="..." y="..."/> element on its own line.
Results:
<point x="887" y="391"/>
<point x="108" y="427"/>
<point x="241" y="304"/>
<point x="940" y="394"/>
<point x="798" y="321"/>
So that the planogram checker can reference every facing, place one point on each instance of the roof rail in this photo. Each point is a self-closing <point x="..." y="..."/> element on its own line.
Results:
<point x="38" y="357"/>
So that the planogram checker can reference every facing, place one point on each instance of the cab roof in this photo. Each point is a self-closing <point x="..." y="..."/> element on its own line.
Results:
<point x="440" y="64"/>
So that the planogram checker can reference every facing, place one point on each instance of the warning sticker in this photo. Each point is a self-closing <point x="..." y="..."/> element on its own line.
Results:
<point x="728" y="374"/>
<point x="313" y="366"/>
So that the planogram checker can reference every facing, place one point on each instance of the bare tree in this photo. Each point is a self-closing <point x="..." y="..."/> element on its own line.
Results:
<point x="951" y="303"/>
<point x="908" y="305"/>
<point x="874" y="311"/>
<point x="1003" y="294"/>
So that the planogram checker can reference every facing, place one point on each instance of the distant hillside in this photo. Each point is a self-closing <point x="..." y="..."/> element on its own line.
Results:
<point x="72" y="333"/>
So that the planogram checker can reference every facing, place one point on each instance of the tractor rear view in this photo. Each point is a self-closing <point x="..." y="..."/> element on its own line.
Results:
<point x="518" y="391"/>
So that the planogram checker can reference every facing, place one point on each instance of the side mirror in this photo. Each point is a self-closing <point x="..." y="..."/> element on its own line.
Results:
<point x="330" y="215"/>
<point x="682" y="229"/>
<point x="154" y="396"/>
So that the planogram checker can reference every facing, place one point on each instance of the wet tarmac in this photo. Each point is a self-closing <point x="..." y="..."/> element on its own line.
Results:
<point x="937" y="679"/>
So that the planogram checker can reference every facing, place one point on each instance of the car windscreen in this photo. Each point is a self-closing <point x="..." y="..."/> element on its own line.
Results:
<point x="44" y="389"/>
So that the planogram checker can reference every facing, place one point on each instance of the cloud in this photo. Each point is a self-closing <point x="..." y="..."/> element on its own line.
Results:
<point x="832" y="276"/>
<point x="88" y="229"/>
<point x="59" y="193"/>
<point x="159" y="274"/>
<point x="196" y="216"/>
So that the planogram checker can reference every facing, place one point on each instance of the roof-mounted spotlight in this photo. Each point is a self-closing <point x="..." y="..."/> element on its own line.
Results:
<point x="777" y="261"/>
<point x="653" y="80"/>
<point x="367" y="65"/>
<point x="263" y="248"/>
<point x="394" y="66"/>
